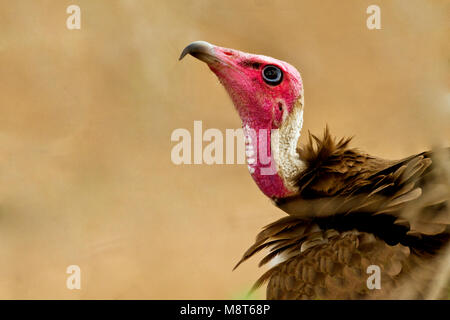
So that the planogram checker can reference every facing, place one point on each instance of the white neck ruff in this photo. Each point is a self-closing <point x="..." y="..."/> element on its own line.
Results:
<point x="284" y="147"/>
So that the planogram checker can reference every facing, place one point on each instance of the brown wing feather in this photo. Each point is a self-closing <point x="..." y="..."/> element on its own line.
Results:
<point x="345" y="199"/>
<point x="337" y="269"/>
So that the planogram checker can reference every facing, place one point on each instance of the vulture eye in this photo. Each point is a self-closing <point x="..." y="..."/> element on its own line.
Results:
<point x="272" y="75"/>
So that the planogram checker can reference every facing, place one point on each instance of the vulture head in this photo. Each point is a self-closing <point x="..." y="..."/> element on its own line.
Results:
<point x="268" y="96"/>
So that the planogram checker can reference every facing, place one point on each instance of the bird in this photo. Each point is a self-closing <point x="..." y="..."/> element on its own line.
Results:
<point x="356" y="226"/>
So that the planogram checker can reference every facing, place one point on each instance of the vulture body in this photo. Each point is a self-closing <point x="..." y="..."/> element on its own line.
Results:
<point x="350" y="215"/>
<point x="354" y="211"/>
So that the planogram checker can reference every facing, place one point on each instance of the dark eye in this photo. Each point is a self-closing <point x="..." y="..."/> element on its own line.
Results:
<point x="272" y="75"/>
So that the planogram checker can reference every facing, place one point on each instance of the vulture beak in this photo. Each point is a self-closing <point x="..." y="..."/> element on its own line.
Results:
<point x="201" y="50"/>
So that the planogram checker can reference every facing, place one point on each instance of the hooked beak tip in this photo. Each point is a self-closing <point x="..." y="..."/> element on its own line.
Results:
<point x="201" y="50"/>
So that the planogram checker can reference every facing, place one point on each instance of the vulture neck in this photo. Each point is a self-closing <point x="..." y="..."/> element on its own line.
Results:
<point x="272" y="156"/>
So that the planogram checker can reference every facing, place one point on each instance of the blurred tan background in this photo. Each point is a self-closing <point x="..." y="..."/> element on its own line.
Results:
<point x="86" y="118"/>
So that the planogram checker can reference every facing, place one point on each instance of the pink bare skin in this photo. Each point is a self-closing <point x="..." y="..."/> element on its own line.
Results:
<point x="260" y="105"/>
